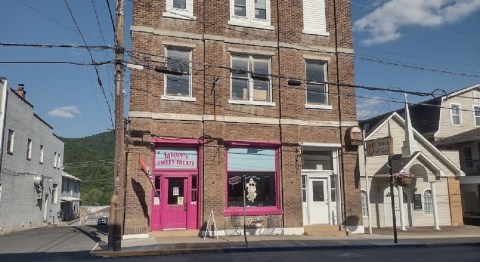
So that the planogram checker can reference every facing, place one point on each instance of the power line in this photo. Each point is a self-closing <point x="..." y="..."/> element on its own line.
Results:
<point x="93" y="61"/>
<point x="100" y="47"/>
<point x="56" y="62"/>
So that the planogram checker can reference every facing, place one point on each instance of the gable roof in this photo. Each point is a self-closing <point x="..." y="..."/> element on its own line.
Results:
<point x="419" y="138"/>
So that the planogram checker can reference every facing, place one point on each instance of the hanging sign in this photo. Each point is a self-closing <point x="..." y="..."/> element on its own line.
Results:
<point x="379" y="146"/>
<point x="175" y="158"/>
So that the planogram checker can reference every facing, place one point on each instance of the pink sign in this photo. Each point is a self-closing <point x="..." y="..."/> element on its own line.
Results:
<point x="175" y="158"/>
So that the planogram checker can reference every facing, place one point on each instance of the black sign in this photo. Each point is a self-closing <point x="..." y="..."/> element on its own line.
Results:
<point x="417" y="202"/>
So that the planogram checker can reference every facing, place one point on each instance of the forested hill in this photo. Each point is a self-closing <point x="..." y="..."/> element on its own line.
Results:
<point x="91" y="159"/>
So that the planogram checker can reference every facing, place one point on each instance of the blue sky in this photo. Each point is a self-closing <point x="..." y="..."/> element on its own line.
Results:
<point x="429" y="35"/>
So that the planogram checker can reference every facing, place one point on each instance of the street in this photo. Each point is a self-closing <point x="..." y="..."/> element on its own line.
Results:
<point x="74" y="243"/>
<point x="53" y="243"/>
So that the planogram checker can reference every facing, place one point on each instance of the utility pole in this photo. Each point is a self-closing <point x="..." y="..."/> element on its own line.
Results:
<point x="117" y="202"/>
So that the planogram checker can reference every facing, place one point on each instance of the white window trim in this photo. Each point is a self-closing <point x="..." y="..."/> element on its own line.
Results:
<point x="41" y="154"/>
<point x="250" y="100"/>
<point x="11" y="138"/>
<point x="460" y="114"/>
<point x="423" y="202"/>
<point x="474" y="116"/>
<point x="190" y="97"/>
<point x="249" y="20"/>
<point x="325" y="73"/>
<point x="186" y="14"/>
<point x="29" y="149"/>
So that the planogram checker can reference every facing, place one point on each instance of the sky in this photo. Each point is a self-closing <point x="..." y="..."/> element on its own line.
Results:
<point x="405" y="45"/>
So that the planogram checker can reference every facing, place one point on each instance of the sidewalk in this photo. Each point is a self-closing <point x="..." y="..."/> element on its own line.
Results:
<point x="381" y="238"/>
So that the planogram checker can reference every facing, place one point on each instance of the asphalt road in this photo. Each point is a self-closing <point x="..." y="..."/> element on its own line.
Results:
<point x="54" y="243"/>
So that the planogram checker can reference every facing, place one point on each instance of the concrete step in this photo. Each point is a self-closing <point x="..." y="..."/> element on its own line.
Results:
<point x="175" y="233"/>
<point x="324" y="230"/>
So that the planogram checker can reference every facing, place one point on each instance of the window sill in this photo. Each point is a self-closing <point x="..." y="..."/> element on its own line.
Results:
<point x="308" y="32"/>
<point x="252" y="24"/>
<point x="252" y="211"/>
<point x="179" y="98"/>
<point x="251" y="103"/>
<point x="328" y="107"/>
<point x="179" y="14"/>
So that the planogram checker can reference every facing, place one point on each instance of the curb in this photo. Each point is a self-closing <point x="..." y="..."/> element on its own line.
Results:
<point x="167" y="252"/>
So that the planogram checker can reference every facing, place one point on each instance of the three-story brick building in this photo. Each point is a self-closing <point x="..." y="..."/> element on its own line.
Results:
<point x="237" y="93"/>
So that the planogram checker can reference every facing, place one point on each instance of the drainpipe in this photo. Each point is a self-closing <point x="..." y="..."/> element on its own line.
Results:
<point x="3" y="108"/>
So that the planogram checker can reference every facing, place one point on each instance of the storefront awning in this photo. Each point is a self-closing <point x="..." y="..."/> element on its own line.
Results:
<point x="69" y="199"/>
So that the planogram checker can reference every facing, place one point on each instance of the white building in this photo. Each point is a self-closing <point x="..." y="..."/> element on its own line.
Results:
<point x="30" y="164"/>
<point x="432" y="199"/>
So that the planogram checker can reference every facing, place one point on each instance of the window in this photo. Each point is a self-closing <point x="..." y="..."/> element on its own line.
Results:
<point x="314" y="21"/>
<point x="41" y="154"/>
<point x="11" y="138"/>
<point x="54" y="194"/>
<point x="250" y="13"/>
<point x="251" y="79"/>
<point x="456" y="114"/>
<point x="29" y="149"/>
<point x="428" y="202"/>
<point x="181" y="9"/>
<point x="364" y="203"/>
<point x="317" y="90"/>
<point x="467" y="156"/>
<point x="476" y="114"/>
<point x="0" y="192"/>
<point x="333" y="190"/>
<point x="304" y="188"/>
<point x="178" y="85"/>
<point x="59" y="161"/>
<point x="476" y="97"/>
<point x="55" y="159"/>
<point x="252" y="169"/>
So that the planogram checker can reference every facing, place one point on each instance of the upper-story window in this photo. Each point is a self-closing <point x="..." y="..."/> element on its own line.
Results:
<point x="182" y="9"/>
<point x="456" y="113"/>
<point x="41" y="154"/>
<point x="59" y="161"/>
<point x="251" y="81"/>
<point x="55" y="156"/>
<point x="476" y="115"/>
<point x="317" y="89"/>
<point x="29" y="149"/>
<point x="11" y="140"/>
<point x="314" y="21"/>
<point x="250" y="13"/>
<point x="178" y="85"/>
<point x="476" y="97"/>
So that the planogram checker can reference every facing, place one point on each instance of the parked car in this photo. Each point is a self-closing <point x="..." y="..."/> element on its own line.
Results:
<point x="103" y="220"/>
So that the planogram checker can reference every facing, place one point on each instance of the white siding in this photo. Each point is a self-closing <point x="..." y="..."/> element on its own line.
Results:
<point x="314" y="20"/>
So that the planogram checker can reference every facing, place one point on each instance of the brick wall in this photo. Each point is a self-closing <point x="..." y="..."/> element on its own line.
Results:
<point x="211" y="89"/>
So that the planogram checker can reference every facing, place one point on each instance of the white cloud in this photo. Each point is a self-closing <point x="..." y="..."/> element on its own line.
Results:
<point x="366" y="107"/>
<point x="64" y="112"/>
<point x="383" y="23"/>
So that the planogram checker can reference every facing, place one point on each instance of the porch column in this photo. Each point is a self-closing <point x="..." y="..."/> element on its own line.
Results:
<point x="435" y="208"/>
<point x="400" y="206"/>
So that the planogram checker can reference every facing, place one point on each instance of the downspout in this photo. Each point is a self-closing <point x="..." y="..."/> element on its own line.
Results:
<point x="201" y="195"/>
<point x="339" y="104"/>
<point x="4" y="86"/>
<point x="280" y="160"/>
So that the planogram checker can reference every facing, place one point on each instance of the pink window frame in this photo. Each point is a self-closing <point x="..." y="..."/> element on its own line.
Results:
<point x="254" y="211"/>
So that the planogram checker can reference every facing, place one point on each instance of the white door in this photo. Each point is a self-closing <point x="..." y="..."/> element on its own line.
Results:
<point x="317" y="200"/>
<point x="387" y="202"/>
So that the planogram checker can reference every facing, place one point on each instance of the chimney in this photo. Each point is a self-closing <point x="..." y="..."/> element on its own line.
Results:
<point x="21" y="90"/>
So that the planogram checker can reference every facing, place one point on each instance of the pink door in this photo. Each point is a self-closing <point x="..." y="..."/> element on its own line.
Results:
<point x="156" y="208"/>
<point x="175" y="193"/>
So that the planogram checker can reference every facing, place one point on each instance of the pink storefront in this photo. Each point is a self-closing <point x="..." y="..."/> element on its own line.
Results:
<point x="176" y="181"/>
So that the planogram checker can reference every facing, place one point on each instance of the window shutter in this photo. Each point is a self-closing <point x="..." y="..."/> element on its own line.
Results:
<point x="314" y="21"/>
